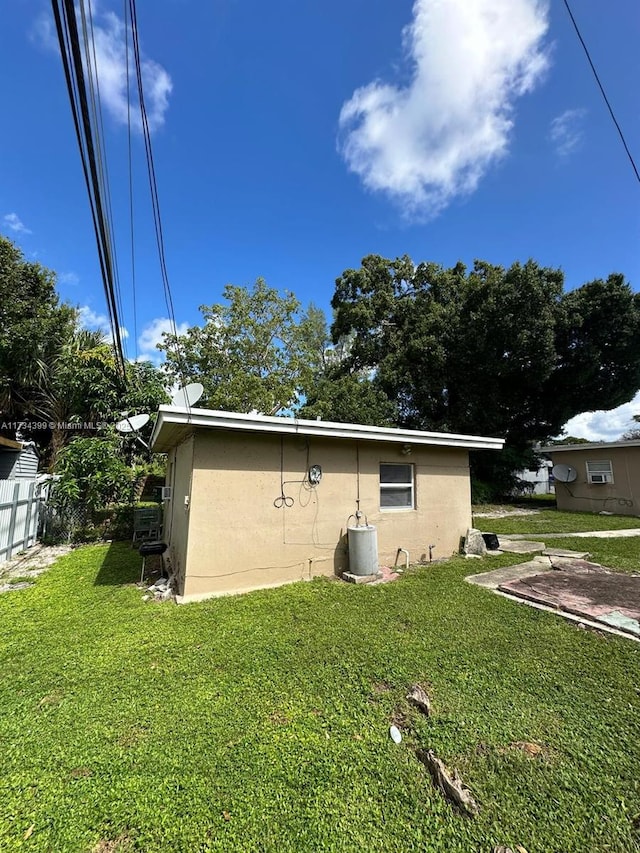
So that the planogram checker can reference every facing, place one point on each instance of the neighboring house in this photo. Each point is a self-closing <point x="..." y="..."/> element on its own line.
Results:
<point x="600" y="477"/>
<point x="259" y="501"/>
<point x="18" y="460"/>
<point x="538" y="482"/>
<point x="21" y="495"/>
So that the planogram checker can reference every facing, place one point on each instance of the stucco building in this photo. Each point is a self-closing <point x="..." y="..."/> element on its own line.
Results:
<point x="259" y="501"/>
<point x="600" y="477"/>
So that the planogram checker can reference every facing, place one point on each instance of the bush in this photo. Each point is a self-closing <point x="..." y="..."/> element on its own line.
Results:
<point x="482" y="493"/>
<point x="112" y="522"/>
<point x="93" y="474"/>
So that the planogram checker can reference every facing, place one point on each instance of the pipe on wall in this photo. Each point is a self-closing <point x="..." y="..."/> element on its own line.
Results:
<point x="406" y="553"/>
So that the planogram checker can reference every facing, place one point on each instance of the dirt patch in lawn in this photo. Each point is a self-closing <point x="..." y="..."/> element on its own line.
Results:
<point x="505" y="512"/>
<point x="28" y="565"/>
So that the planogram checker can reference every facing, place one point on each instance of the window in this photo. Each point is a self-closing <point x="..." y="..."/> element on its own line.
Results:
<point x="396" y="486"/>
<point x="599" y="472"/>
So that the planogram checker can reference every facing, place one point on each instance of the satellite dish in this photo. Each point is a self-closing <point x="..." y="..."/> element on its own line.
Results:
<point x="564" y="473"/>
<point x="187" y="396"/>
<point x="132" y="424"/>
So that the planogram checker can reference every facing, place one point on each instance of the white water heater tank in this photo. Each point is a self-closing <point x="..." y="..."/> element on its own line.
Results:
<point x="363" y="550"/>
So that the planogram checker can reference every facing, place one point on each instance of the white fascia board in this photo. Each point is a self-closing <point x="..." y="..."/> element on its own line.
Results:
<point x="169" y="416"/>
<point x="561" y="448"/>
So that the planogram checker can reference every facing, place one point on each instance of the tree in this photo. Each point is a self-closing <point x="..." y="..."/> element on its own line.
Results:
<point x="53" y="371"/>
<point x="490" y="350"/>
<point x="634" y="433"/>
<point x="348" y="399"/>
<point x="85" y="387"/>
<point x="33" y="328"/>
<point x="257" y="352"/>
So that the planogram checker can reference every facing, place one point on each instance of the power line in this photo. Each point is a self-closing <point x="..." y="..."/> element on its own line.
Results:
<point x="604" y="94"/>
<point x="130" y="169"/>
<point x="94" y="89"/>
<point x="91" y="157"/>
<point x="88" y="123"/>
<point x="153" y="188"/>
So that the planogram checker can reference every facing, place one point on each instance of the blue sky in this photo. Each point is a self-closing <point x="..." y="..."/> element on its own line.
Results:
<point x="291" y="139"/>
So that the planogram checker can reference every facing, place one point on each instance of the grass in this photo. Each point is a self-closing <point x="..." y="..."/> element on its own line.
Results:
<point x="260" y="723"/>
<point x="554" y="521"/>
<point x="621" y="554"/>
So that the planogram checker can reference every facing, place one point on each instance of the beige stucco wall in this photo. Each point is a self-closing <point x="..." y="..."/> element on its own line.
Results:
<point x="621" y="497"/>
<point x="238" y="540"/>
<point x="176" y="514"/>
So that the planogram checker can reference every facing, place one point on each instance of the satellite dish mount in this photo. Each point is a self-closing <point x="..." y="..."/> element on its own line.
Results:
<point x="131" y="424"/>
<point x="564" y="473"/>
<point x="187" y="396"/>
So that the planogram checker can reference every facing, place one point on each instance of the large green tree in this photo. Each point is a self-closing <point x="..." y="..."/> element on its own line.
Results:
<point x="348" y="398"/>
<point x="54" y="371"/>
<point x="33" y="327"/>
<point x="489" y="350"/>
<point x="259" y="351"/>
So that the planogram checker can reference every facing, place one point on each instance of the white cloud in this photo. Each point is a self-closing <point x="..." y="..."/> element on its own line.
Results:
<point x="111" y="62"/>
<point x="605" y="426"/>
<point x="566" y="131"/>
<point x="70" y="278"/>
<point x="90" y="319"/>
<point x="151" y="336"/>
<point x="433" y="139"/>
<point x="13" y="221"/>
<point x="43" y="32"/>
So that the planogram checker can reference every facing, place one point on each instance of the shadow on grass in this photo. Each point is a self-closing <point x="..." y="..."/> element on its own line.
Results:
<point x="121" y="565"/>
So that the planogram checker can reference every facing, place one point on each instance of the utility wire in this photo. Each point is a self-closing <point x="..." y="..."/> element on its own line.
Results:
<point x="64" y="13"/>
<point x="130" y="165"/>
<point x="604" y="94"/>
<point x="103" y="167"/>
<point x="71" y="55"/>
<point x="153" y="188"/>
<point x="92" y="174"/>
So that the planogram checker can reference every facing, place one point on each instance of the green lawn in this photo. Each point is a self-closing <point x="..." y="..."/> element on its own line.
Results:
<point x="554" y="521"/>
<point x="260" y="723"/>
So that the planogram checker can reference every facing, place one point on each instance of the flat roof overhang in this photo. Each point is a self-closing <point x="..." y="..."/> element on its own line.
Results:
<point x="174" y="424"/>
<point x="591" y="446"/>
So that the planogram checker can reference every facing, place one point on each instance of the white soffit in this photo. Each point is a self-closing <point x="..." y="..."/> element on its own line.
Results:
<point x="174" y="423"/>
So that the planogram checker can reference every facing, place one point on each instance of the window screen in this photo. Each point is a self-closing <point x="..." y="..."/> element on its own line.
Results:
<point x="396" y="486"/>
<point x="600" y="472"/>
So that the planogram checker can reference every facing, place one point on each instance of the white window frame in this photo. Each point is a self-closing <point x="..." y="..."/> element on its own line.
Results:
<point x="391" y="486"/>
<point x="603" y="475"/>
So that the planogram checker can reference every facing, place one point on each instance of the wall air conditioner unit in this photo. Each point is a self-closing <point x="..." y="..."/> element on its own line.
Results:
<point x="166" y="493"/>
<point x="597" y="478"/>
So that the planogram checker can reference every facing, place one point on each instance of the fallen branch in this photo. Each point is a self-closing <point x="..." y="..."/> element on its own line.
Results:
<point x="418" y="697"/>
<point x="449" y="782"/>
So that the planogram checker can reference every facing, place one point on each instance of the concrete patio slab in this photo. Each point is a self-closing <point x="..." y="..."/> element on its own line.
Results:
<point x="619" y="620"/>
<point x="493" y="579"/>
<point x="592" y="534"/>
<point x="600" y="596"/>
<point x="564" y="552"/>
<point x="565" y="564"/>
<point x="521" y="546"/>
